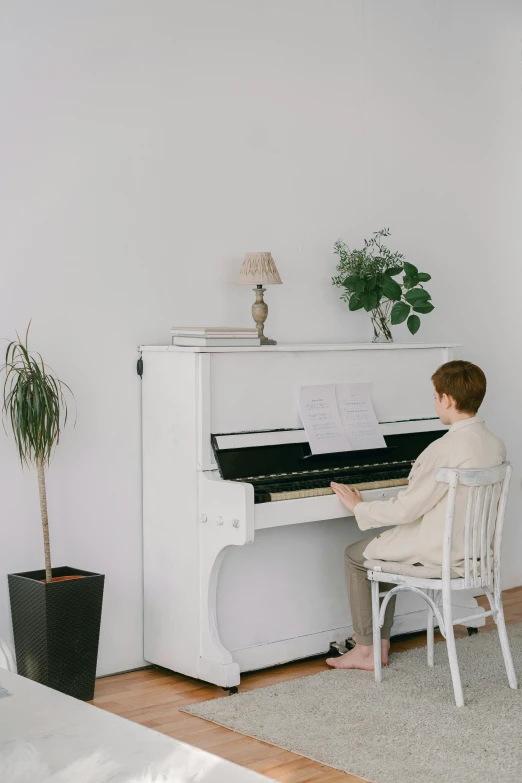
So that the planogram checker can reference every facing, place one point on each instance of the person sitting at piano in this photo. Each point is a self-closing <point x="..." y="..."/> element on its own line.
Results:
<point x="417" y="514"/>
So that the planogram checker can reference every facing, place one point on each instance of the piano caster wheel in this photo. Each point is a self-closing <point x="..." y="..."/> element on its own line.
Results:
<point x="349" y="643"/>
<point x="472" y="631"/>
<point x="231" y="690"/>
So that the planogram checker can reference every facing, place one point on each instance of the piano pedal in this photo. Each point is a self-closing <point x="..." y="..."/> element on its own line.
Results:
<point x="340" y="648"/>
<point x="231" y="690"/>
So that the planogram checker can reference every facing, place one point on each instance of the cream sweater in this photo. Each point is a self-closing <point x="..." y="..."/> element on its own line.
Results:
<point x="418" y="512"/>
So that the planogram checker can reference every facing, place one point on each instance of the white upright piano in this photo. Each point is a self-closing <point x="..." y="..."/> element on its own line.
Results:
<point x="237" y="578"/>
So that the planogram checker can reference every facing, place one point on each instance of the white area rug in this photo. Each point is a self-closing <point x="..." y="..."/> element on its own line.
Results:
<point x="403" y="730"/>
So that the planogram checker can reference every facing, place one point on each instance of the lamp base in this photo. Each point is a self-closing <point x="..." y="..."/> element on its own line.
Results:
<point x="259" y="314"/>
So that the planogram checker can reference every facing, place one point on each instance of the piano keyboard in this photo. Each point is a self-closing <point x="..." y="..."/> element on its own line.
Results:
<point x="277" y="488"/>
<point x="317" y="491"/>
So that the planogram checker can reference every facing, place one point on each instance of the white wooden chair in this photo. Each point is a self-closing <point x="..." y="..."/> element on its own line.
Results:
<point x="486" y="504"/>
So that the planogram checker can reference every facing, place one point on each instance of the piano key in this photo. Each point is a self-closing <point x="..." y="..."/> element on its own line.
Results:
<point x="310" y="492"/>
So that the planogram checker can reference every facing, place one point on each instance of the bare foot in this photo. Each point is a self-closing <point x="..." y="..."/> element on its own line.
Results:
<point x="361" y="657"/>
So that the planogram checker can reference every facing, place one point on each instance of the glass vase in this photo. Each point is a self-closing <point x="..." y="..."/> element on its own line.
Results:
<point x="381" y="325"/>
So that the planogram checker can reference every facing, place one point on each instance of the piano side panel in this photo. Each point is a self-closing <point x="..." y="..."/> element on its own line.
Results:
<point x="170" y="529"/>
<point x="257" y="391"/>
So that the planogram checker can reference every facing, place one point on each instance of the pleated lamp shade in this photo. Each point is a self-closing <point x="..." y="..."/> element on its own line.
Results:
<point x="258" y="269"/>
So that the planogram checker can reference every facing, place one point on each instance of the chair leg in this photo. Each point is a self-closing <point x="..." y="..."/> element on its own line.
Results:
<point x="429" y="629"/>
<point x="452" y="651"/>
<point x="506" y="651"/>
<point x="376" y="632"/>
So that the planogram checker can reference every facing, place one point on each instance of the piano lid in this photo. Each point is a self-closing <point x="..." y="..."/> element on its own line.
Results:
<point x="285" y="452"/>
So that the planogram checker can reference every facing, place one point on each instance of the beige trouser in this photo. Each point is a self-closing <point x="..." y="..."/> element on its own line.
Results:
<point x="360" y="594"/>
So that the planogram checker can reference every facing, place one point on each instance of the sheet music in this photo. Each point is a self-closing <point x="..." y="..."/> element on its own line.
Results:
<point x="358" y="415"/>
<point x="321" y="419"/>
<point x="339" y="417"/>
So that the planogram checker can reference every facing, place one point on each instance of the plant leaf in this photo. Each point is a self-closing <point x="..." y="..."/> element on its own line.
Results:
<point x="424" y="308"/>
<point x="393" y="270"/>
<point x="350" y="282"/>
<point x="423" y="277"/>
<point x="355" y="302"/>
<point x="371" y="282"/>
<point x="414" y="323"/>
<point x="399" y="313"/>
<point x="410" y="270"/>
<point x="417" y="296"/>
<point x="391" y="289"/>
<point x="370" y="300"/>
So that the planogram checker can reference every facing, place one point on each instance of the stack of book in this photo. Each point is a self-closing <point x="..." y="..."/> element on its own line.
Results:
<point x="214" y="336"/>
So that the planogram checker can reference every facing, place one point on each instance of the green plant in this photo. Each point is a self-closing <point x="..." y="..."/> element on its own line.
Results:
<point x="34" y="402"/>
<point x="367" y="279"/>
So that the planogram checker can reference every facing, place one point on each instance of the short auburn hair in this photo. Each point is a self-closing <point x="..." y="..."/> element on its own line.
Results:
<point x="463" y="381"/>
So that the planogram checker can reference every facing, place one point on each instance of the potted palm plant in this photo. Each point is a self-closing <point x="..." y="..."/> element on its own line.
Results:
<point x="56" y="612"/>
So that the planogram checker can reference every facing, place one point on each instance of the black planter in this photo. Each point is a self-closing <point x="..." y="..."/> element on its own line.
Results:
<point x="56" y="628"/>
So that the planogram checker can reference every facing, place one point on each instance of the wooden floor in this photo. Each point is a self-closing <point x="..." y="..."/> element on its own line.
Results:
<point x="153" y="697"/>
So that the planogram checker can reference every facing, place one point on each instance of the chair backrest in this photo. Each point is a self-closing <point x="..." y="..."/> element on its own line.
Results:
<point x="484" y="521"/>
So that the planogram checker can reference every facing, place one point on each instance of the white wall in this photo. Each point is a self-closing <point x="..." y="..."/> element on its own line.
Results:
<point x="147" y="144"/>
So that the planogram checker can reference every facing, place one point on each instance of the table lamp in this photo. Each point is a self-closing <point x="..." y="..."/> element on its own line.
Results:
<point x="259" y="269"/>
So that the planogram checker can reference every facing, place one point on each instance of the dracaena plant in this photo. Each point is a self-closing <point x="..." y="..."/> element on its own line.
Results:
<point x="36" y="408"/>
<point x="367" y="278"/>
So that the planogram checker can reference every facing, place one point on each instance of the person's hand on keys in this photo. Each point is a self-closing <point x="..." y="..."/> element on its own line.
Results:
<point x="348" y="497"/>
